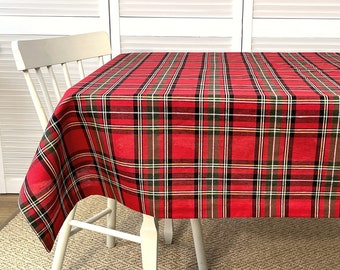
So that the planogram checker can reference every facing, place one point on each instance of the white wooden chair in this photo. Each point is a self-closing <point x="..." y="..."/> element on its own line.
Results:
<point x="32" y="57"/>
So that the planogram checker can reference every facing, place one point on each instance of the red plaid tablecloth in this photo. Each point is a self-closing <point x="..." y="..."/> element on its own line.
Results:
<point x="194" y="135"/>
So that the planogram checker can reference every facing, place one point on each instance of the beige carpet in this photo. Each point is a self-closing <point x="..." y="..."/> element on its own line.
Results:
<point x="230" y="244"/>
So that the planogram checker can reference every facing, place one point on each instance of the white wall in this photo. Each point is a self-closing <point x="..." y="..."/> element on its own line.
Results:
<point x="292" y="25"/>
<point x="181" y="25"/>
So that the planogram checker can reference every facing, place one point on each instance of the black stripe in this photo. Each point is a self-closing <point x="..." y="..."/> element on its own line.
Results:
<point x="229" y="120"/>
<point x="197" y="133"/>
<point x="256" y="161"/>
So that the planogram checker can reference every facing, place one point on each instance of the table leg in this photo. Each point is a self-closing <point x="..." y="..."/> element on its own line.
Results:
<point x="168" y="230"/>
<point x="149" y="242"/>
<point x="199" y="246"/>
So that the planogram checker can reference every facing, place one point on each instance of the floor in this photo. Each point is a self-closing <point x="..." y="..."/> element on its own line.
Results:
<point x="8" y="207"/>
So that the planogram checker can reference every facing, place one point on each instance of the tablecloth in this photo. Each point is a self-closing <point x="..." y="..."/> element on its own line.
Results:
<point x="193" y="135"/>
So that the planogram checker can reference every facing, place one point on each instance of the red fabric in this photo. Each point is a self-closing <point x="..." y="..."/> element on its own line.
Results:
<point x="194" y="135"/>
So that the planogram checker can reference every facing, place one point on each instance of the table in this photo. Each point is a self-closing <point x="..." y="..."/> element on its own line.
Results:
<point x="194" y="135"/>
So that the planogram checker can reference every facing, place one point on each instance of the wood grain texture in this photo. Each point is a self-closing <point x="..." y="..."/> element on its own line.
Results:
<point x="8" y="207"/>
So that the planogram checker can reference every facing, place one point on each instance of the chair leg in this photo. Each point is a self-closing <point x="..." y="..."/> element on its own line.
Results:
<point x="168" y="230"/>
<point x="111" y="221"/>
<point x="149" y="242"/>
<point x="199" y="246"/>
<point x="64" y="235"/>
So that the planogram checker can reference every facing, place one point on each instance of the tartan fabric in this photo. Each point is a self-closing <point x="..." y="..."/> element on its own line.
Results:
<point x="194" y="135"/>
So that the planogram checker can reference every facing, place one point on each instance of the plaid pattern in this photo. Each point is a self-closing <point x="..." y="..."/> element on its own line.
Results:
<point x="194" y="135"/>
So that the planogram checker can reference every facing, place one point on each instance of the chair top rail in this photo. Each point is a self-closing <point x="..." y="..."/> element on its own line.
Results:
<point x="30" y="54"/>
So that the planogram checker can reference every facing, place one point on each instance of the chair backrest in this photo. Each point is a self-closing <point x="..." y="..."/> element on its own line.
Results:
<point x="41" y="58"/>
